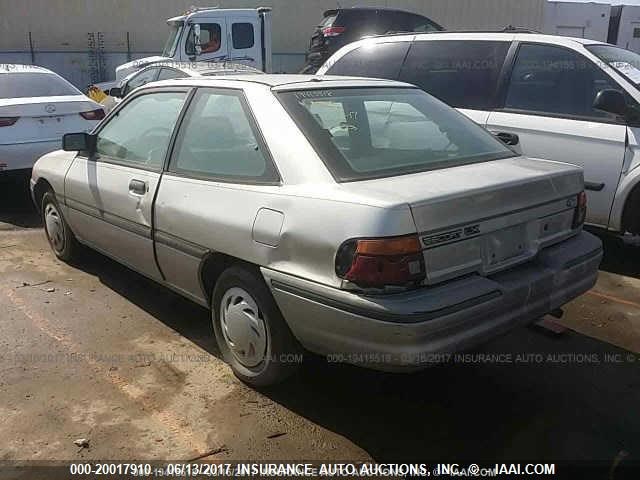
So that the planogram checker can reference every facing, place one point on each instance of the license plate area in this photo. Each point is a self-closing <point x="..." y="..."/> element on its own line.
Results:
<point x="505" y="248"/>
<point x="51" y="126"/>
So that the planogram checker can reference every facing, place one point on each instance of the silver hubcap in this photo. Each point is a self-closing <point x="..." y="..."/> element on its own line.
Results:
<point x="55" y="228"/>
<point x="243" y="327"/>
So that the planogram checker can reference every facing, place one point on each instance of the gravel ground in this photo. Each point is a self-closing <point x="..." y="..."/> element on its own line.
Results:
<point x="95" y="351"/>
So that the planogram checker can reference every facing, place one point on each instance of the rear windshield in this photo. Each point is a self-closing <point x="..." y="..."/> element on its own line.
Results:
<point x="381" y="132"/>
<point x="23" y="85"/>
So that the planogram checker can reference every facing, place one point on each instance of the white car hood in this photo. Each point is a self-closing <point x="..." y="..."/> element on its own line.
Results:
<point x="130" y="67"/>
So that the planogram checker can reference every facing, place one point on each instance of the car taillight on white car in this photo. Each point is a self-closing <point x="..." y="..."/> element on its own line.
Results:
<point x="8" y="121"/>
<point x="581" y="210"/>
<point x="380" y="262"/>
<point x="97" y="114"/>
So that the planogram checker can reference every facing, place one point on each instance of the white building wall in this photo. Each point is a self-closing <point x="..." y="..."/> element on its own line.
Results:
<point x="62" y="25"/>
<point x="572" y="19"/>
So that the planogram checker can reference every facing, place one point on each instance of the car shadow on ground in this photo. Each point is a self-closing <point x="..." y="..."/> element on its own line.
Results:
<point x="16" y="207"/>
<point x="526" y="395"/>
<point x="619" y="257"/>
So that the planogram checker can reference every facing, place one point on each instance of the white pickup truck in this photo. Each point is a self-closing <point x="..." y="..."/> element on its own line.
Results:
<point x="239" y="35"/>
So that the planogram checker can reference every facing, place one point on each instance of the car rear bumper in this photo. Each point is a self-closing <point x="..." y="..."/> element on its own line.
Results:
<point x="404" y="331"/>
<point x="19" y="156"/>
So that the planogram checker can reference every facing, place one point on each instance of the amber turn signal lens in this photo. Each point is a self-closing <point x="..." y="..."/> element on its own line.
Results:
<point x="389" y="246"/>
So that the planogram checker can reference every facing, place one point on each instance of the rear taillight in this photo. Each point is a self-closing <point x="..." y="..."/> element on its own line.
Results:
<point x="8" y="121"/>
<point x="333" y="31"/>
<point x="391" y="261"/>
<point x="97" y="114"/>
<point x="580" y="212"/>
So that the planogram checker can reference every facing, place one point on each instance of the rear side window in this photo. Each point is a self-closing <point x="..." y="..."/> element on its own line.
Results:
<point x="242" y="35"/>
<point x="218" y="140"/>
<point x="379" y="60"/>
<point x="556" y="80"/>
<point x="463" y="74"/>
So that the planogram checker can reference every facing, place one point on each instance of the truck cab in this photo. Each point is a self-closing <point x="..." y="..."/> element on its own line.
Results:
<point x="239" y="35"/>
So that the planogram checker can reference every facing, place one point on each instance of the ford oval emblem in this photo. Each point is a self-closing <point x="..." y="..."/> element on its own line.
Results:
<point x="50" y="108"/>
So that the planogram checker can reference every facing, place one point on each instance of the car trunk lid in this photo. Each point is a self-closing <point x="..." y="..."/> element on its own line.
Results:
<point x="485" y="217"/>
<point x="44" y="118"/>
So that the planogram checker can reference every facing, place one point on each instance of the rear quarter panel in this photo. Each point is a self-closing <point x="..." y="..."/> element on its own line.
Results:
<point x="222" y="218"/>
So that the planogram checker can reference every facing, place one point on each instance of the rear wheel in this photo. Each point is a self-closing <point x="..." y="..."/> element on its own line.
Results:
<point x="252" y="335"/>
<point x="61" y="238"/>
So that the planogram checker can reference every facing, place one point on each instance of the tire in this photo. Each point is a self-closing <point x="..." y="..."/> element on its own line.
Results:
<point x="61" y="239"/>
<point x="251" y="334"/>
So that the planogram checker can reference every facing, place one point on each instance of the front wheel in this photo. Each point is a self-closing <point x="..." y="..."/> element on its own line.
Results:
<point x="61" y="238"/>
<point x="252" y="336"/>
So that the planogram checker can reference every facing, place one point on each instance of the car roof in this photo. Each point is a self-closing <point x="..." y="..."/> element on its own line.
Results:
<point x="19" y="68"/>
<point x="285" y="81"/>
<point x="505" y="35"/>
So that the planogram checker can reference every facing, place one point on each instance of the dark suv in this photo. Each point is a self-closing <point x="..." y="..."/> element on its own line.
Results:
<point x="345" y="25"/>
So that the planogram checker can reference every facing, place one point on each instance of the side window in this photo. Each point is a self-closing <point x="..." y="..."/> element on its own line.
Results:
<point x="381" y="60"/>
<point x="139" y="133"/>
<point x="556" y="80"/>
<point x="210" y="39"/>
<point x="219" y="140"/>
<point x="242" y="35"/>
<point x="169" y="73"/>
<point x="144" y="77"/>
<point x="461" y="73"/>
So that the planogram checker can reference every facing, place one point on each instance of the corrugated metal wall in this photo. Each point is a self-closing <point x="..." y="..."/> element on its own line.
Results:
<point x="63" y="25"/>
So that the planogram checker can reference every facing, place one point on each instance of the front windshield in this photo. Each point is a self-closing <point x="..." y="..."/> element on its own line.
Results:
<point x="363" y="133"/>
<point x="624" y="61"/>
<point x="172" y="42"/>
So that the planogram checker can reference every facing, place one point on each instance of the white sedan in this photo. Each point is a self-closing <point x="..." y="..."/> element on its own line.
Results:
<point x="37" y="107"/>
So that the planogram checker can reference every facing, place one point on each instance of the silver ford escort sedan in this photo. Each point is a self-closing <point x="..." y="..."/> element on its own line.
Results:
<point x="358" y="219"/>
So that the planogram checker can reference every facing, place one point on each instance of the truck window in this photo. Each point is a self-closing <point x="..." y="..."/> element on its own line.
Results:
<point x="242" y="35"/>
<point x="380" y="60"/>
<point x="461" y="73"/>
<point x="210" y="39"/>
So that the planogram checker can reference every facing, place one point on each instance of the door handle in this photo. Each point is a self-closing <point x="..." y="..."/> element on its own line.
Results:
<point x="137" y="187"/>
<point x="510" y="139"/>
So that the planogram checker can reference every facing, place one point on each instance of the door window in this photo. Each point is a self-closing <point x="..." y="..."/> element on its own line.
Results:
<point x="556" y="80"/>
<point x="463" y="74"/>
<point x="380" y="60"/>
<point x="242" y="35"/>
<point x="146" y="76"/>
<point x="169" y="73"/>
<point x="218" y="140"/>
<point x="210" y="39"/>
<point x="140" y="131"/>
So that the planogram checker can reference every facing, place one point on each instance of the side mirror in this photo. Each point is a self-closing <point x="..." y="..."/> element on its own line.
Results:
<point x="117" y="92"/>
<point x="79" y="142"/>
<point x="611" y="101"/>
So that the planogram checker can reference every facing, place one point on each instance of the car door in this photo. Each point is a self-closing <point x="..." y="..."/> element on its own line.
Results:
<point x="220" y="177"/>
<point x="110" y="193"/>
<point x="548" y="102"/>
<point x="213" y="44"/>
<point x="461" y="73"/>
